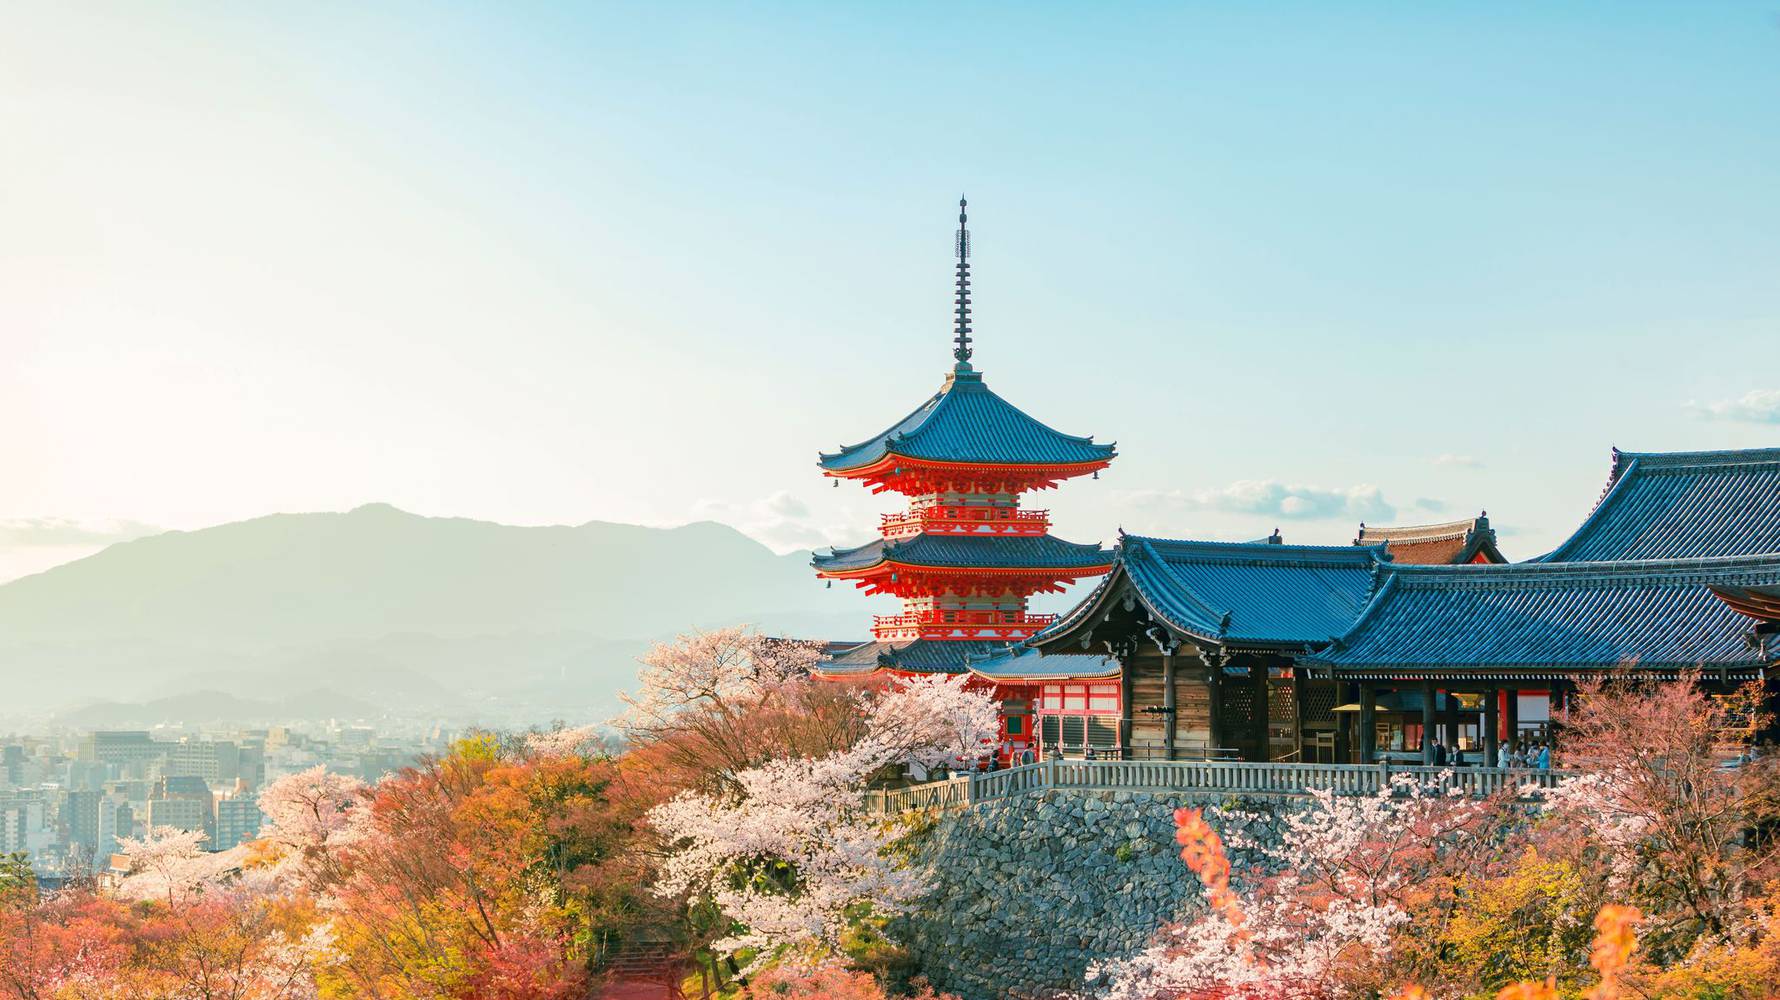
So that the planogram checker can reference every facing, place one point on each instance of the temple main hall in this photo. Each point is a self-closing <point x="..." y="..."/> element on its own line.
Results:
<point x="1267" y="651"/>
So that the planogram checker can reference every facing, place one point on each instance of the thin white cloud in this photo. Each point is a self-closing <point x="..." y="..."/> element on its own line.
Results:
<point x="784" y="504"/>
<point x="781" y="521"/>
<point x="1757" y="406"/>
<point x="35" y="532"/>
<point x="1293" y="501"/>
<point x="1467" y="461"/>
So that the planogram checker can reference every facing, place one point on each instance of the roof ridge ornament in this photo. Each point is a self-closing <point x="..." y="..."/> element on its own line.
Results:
<point x="962" y="306"/>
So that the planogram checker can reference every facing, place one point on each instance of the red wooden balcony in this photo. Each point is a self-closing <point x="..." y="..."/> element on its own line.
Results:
<point x="978" y="625"/>
<point x="956" y="520"/>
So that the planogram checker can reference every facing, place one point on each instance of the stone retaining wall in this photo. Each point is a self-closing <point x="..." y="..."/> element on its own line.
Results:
<point x="1033" y="888"/>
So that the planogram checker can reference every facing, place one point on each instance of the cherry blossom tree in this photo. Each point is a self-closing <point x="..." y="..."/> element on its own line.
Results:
<point x="167" y="863"/>
<point x="562" y="742"/>
<point x="1670" y="792"/>
<point x="788" y="854"/>
<point x="1328" y="893"/>
<point x="713" y="704"/>
<point x="310" y="815"/>
<point x="933" y="720"/>
<point x="722" y="670"/>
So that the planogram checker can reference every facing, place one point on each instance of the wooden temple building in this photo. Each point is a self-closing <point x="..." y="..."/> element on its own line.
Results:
<point x="1266" y="651"/>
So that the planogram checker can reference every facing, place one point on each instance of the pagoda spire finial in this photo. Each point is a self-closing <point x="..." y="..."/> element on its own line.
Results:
<point x="962" y="351"/>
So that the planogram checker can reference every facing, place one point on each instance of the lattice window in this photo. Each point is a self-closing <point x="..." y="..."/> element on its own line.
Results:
<point x="1239" y="706"/>
<point x="1319" y="703"/>
<point x="1279" y="701"/>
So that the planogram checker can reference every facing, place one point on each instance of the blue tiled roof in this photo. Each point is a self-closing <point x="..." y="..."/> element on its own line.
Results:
<point x="990" y="660"/>
<point x="1026" y="663"/>
<point x="1651" y="614"/>
<point x="1682" y="505"/>
<point x="966" y="422"/>
<point x="962" y="551"/>
<point x="1241" y="592"/>
<point x="920" y="656"/>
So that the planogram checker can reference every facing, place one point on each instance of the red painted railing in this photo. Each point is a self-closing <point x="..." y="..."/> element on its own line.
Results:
<point x="979" y="624"/>
<point x="959" y="520"/>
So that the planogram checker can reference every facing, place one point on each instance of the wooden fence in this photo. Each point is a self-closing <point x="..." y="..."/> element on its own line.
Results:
<point x="1214" y="777"/>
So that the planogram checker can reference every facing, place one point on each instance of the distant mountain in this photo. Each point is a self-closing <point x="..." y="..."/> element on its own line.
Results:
<point x="217" y="707"/>
<point x="439" y="616"/>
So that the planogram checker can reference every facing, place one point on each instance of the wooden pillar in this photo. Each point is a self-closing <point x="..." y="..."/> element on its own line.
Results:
<point x="1257" y="675"/>
<point x="1127" y="694"/>
<point x="1367" y="737"/>
<point x="1492" y="745"/>
<point x="1449" y="717"/>
<point x="1345" y="694"/>
<point x="1298" y="714"/>
<point x="1511" y="716"/>
<point x="1427" y="722"/>
<point x="1168" y="704"/>
<point x="1214" y="683"/>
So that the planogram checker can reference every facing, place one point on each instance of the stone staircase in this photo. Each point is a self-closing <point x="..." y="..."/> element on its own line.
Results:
<point x="646" y="971"/>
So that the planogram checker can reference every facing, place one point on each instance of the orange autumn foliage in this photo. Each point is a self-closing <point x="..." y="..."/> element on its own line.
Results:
<point x="1203" y="851"/>
<point x="1615" y="937"/>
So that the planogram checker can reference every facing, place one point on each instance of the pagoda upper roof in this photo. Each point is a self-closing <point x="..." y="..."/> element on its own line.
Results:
<point x="966" y="422"/>
<point x="1450" y="542"/>
<point x="1258" y="593"/>
<point x="1038" y="552"/>
<point x="1517" y="620"/>
<point x="1678" y="505"/>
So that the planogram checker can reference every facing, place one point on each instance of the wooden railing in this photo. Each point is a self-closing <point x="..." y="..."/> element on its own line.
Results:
<point x="950" y="793"/>
<point x="1215" y="777"/>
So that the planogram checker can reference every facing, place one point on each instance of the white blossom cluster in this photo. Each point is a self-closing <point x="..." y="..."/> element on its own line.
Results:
<point x="1341" y="872"/>
<point x="791" y="853"/>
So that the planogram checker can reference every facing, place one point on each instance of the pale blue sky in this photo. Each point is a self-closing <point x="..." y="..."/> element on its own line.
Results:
<point x="1304" y="262"/>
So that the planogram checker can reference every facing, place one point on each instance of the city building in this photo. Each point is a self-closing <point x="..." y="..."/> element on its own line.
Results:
<point x="238" y="820"/>
<point x="218" y="762"/>
<point x="183" y="803"/>
<point x="119" y="747"/>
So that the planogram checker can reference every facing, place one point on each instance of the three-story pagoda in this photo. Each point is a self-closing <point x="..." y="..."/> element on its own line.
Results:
<point x="965" y="557"/>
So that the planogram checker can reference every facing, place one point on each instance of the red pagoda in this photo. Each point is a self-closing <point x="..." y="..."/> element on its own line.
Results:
<point x="966" y="557"/>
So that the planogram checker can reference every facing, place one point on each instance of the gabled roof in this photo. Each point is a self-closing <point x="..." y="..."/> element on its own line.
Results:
<point x="1430" y="544"/>
<point x="966" y="422"/>
<point x="1680" y="505"/>
<point x="1238" y="593"/>
<point x="1037" y="552"/>
<point x="1523" y="618"/>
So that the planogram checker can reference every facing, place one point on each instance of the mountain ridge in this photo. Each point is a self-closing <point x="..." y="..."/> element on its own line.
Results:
<point x="483" y="609"/>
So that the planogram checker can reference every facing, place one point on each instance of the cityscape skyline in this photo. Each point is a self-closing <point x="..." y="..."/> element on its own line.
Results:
<point x="526" y="298"/>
